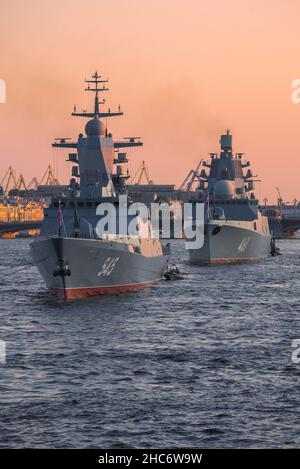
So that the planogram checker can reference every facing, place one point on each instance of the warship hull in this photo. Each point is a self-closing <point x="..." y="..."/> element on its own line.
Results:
<point x="77" y="267"/>
<point x="224" y="244"/>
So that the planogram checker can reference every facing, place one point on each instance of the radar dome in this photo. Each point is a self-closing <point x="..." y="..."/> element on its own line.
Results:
<point x="224" y="189"/>
<point x="94" y="127"/>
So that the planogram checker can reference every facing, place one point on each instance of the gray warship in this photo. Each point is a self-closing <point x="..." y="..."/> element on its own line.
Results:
<point x="235" y="230"/>
<point x="74" y="257"/>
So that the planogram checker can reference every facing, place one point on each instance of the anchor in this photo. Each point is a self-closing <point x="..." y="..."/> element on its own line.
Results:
<point x="62" y="269"/>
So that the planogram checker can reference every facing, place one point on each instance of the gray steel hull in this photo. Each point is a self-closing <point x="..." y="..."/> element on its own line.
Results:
<point x="231" y="245"/>
<point x="76" y="267"/>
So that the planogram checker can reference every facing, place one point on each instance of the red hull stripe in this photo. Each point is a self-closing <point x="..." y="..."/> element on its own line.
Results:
<point x="92" y="291"/>
<point x="227" y="261"/>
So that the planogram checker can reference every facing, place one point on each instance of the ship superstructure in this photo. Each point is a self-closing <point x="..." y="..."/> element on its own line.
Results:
<point x="75" y="253"/>
<point x="234" y="228"/>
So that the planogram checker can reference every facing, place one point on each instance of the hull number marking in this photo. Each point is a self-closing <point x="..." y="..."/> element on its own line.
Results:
<point x="244" y="243"/>
<point x="108" y="266"/>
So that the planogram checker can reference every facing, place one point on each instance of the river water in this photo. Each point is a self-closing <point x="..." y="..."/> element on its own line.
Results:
<point x="202" y="362"/>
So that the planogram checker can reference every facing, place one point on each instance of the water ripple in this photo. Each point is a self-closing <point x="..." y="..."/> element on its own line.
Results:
<point x="201" y="362"/>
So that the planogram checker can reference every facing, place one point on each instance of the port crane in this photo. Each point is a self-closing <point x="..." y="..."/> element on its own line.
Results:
<point x="280" y="199"/>
<point x="9" y="177"/>
<point x="11" y="182"/>
<point x="49" y="178"/>
<point x="21" y="183"/>
<point x="191" y="177"/>
<point x="142" y="171"/>
<point x="34" y="183"/>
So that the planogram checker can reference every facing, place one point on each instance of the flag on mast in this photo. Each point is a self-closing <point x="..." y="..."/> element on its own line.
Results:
<point x="206" y="202"/>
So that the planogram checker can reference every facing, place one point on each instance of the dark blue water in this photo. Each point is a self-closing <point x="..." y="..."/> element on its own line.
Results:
<point x="202" y="362"/>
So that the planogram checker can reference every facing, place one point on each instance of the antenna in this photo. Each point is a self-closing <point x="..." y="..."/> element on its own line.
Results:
<point x="132" y="139"/>
<point x="62" y="139"/>
<point x="96" y="84"/>
<point x="96" y="80"/>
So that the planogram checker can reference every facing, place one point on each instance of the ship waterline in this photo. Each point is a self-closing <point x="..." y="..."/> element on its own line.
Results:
<point x="229" y="242"/>
<point x="77" y="293"/>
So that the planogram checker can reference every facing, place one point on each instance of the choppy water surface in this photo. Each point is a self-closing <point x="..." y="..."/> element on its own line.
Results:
<point x="202" y="362"/>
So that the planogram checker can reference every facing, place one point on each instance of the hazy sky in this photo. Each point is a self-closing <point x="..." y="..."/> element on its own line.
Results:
<point x="183" y="72"/>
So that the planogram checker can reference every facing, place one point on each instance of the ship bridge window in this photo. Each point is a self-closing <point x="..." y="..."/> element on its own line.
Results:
<point x="81" y="204"/>
<point x="89" y="204"/>
<point x="254" y="226"/>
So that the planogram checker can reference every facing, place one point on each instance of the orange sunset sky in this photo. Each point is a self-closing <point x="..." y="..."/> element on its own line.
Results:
<point x="183" y="72"/>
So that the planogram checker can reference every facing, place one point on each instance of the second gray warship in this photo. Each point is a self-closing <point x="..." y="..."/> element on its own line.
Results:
<point x="73" y="255"/>
<point x="235" y="230"/>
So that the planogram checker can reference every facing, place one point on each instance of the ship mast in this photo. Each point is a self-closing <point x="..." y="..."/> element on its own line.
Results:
<point x="94" y="85"/>
<point x="96" y="81"/>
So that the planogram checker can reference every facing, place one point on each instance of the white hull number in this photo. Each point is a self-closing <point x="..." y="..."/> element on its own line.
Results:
<point x="108" y="266"/>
